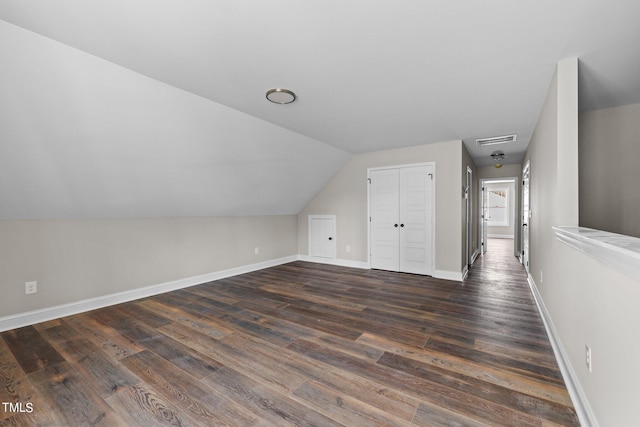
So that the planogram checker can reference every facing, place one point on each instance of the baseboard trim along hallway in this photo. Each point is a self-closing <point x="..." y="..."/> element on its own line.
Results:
<point x="580" y="401"/>
<point x="50" y="313"/>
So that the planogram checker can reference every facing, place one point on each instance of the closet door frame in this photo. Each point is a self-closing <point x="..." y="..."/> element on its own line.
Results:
<point x="432" y="244"/>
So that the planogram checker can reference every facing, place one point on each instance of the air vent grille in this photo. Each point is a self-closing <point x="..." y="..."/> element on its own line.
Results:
<point x="496" y="140"/>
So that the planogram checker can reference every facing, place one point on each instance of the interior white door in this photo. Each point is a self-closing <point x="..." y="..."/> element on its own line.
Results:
<point x="384" y="218"/>
<point x="526" y="216"/>
<point x="468" y="192"/>
<point x="415" y="220"/>
<point x="322" y="236"/>
<point x="485" y="218"/>
<point x="401" y="219"/>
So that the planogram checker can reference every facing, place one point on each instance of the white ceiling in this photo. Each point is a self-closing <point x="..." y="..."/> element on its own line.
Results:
<point x="102" y="83"/>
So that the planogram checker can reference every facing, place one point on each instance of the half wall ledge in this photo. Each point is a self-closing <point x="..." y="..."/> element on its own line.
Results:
<point x="615" y="250"/>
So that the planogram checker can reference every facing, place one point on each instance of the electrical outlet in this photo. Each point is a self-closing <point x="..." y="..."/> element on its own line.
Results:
<point x="256" y="251"/>
<point x="31" y="288"/>
<point x="348" y="248"/>
<point x="587" y="358"/>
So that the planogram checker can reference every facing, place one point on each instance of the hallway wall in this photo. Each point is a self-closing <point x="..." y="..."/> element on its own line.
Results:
<point x="588" y="302"/>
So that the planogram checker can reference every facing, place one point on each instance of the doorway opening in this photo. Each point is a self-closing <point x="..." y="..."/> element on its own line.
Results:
<point x="499" y="217"/>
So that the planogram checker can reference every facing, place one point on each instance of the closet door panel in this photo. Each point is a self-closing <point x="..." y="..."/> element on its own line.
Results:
<point x="415" y="212"/>
<point x="401" y="226"/>
<point x="384" y="219"/>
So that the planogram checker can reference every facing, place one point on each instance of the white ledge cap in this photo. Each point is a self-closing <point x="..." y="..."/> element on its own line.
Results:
<point x="616" y="250"/>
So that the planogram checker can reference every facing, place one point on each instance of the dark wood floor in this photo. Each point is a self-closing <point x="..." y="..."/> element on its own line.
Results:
<point x="300" y="344"/>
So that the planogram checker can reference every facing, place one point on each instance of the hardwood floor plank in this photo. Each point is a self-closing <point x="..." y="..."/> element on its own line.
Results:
<point x="250" y="360"/>
<point x="453" y="364"/>
<point x="299" y="344"/>
<point x="436" y="416"/>
<point x="343" y="408"/>
<point x="314" y="298"/>
<point x="449" y="398"/>
<point x="71" y="398"/>
<point x="141" y="406"/>
<point x="31" y="350"/>
<point x="193" y="363"/>
<point x="372" y="393"/>
<point x="213" y="328"/>
<point x="266" y="403"/>
<point x="519" y="401"/>
<point x="193" y="397"/>
<point x="105" y="375"/>
<point x="310" y="319"/>
<point x="534" y="356"/>
<point x="504" y="363"/>
<point x="16" y="388"/>
<point x="106" y="338"/>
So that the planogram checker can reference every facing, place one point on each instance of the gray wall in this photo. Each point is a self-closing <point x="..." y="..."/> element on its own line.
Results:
<point x="588" y="302"/>
<point x="346" y="197"/>
<point x="609" y="166"/>
<point x="74" y="260"/>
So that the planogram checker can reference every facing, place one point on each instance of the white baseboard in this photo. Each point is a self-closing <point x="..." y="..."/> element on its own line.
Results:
<point x="449" y="275"/>
<point x="438" y="274"/>
<point x="475" y="256"/>
<point x="580" y="402"/>
<point x="465" y="271"/>
<point x="335" y="261"/>
<point x="500" y="236"/>
<point x="45" y="314"/>
<point x="37" y="316"/>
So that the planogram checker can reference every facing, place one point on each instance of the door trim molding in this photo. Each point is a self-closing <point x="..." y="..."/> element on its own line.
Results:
<point x="515" y="219"/>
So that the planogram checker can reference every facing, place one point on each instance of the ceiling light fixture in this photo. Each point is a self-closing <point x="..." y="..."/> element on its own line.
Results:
<point x="496" y="140"/>
<point x="498" y="156"/>
<point x="281" y="96"/>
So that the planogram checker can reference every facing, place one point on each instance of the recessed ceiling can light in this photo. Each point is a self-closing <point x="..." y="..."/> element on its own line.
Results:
<point x="281" y="96"/>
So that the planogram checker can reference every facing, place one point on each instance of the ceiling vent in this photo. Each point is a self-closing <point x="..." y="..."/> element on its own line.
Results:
<point x="496" y="140"/>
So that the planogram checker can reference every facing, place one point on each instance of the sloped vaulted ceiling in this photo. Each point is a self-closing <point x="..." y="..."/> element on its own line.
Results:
<point x="156" y="107"/>
<point x="82" y="137"/>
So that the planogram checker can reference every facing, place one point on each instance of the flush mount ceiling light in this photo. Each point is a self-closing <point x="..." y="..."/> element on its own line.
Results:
<point x="281" y="96"/>
<point x="496" y="140"/>
<point x="497" y="157"/>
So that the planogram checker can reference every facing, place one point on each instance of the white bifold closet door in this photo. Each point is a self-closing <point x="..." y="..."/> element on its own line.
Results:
<point x="401" y="219"/>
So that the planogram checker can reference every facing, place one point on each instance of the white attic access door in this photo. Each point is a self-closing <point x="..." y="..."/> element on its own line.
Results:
<point x="401" y="211"/>
<point x="322" y="236"/>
